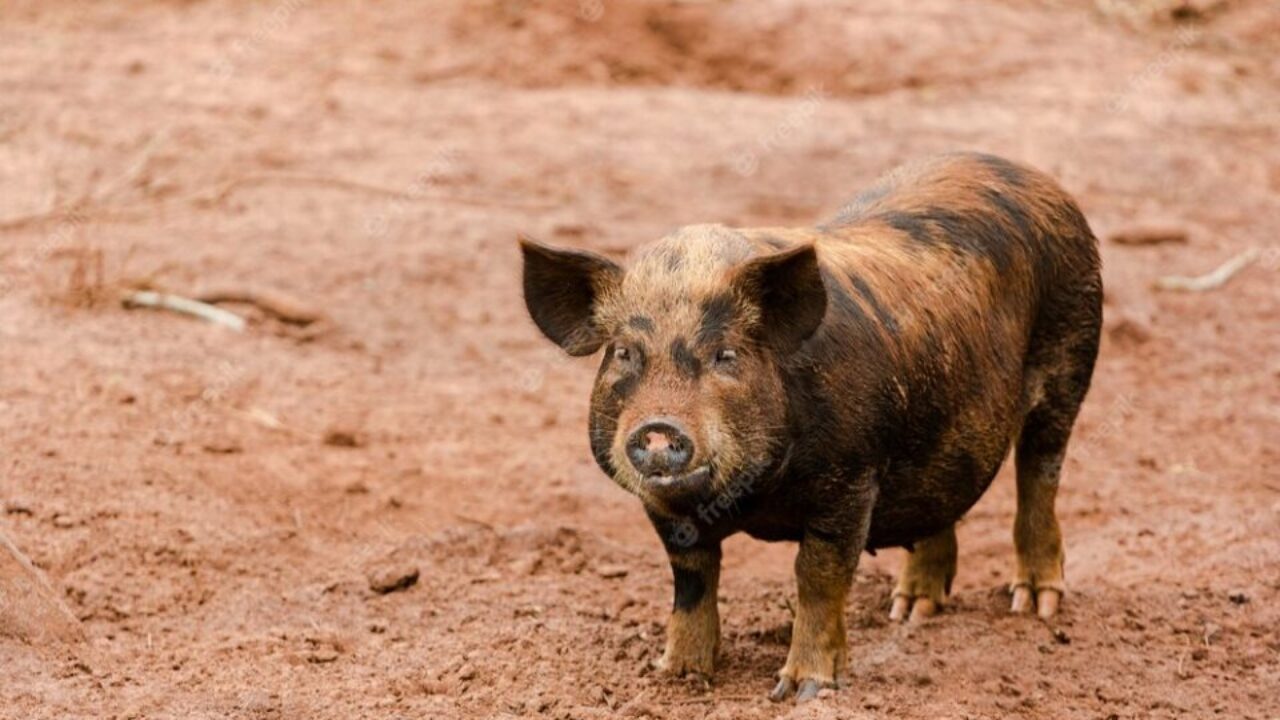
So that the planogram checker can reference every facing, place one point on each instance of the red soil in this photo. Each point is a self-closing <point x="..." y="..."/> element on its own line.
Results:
<point x="214" y="504"/>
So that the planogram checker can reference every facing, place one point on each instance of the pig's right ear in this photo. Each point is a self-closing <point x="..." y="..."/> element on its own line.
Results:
<point x="561" y="288"/>
<point x="787" y="285"/>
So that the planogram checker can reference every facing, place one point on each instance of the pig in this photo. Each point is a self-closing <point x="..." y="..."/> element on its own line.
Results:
<point x="850" y="386"/>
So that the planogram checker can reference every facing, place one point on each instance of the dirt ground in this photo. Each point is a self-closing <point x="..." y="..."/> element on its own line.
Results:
<point x="214" y="505"/>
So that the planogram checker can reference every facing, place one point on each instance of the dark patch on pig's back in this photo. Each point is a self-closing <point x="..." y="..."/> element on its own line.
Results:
<point x="869" y="296"/>
<point x="841" y="307"/>
<point x="972" y="233"/>
<point x="1008" y="172"/>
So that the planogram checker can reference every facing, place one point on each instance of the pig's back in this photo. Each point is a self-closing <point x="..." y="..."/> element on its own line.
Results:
<point x="939" y="279"/>
<point x="960" y="229"/>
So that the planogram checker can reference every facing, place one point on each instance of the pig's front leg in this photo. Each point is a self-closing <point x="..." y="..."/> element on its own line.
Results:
<point x="824" y="571"/>
<point x="693" y="632"/>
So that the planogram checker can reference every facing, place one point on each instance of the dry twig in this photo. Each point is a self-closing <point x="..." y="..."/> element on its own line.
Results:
<point x="186" y="306"/>
<point x="279" y="305"/>
<point x="1211" y="280"/>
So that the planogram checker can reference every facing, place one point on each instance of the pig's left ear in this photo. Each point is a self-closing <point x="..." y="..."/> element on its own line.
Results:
<point x="788" y="288"/>
<point x="561" y="288"/>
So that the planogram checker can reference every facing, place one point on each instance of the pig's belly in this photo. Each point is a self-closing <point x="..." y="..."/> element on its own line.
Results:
<point x="918" y="499"/>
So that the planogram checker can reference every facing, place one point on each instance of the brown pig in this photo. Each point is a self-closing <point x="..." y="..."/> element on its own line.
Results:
<point x="850" y="386"/>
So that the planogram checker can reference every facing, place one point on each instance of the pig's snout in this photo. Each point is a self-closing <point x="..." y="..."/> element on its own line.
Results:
<point x="660" y="447"/>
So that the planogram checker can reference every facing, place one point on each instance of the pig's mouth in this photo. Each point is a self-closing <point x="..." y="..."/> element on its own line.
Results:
<point x="693" y="480"/>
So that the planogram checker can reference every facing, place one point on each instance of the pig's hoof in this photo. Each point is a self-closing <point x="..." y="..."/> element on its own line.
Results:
<point x="805" y="691"/>
<point x="926" y="579"/>
<point x="1044" y="600"/>
<point x="676" y="666"/>
<point x="913" y="608"/>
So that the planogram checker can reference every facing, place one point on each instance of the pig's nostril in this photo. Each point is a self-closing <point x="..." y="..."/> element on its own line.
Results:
<point x="659" y="447"/>
<point x="655" y="442"/>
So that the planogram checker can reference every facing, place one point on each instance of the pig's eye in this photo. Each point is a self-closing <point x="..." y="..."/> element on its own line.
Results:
<point x="627" y="358"/>
<point x="726" y="356"/>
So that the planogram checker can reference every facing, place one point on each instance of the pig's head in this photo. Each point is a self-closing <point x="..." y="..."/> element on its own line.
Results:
<point x="696" y="332"/>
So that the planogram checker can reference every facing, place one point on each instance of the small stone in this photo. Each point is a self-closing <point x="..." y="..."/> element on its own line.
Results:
<point x="222" y="447"/>
<point x="344" y="438"/>
<point x="1061" y="636"/>
<point x="62" y="520"/>
<point x="871" y="701"/>
<point x="1239" y="597"/>
<point x="392" y="578"/>
<point x="611" y="571"/>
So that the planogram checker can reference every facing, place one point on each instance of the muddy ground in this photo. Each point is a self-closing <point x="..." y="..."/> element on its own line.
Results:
<point x="212" y="505"/>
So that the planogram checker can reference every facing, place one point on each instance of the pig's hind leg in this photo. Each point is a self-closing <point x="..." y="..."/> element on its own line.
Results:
<point x="1038" y="581"/>
<point x="926" y="578"/>
<point x="1057" y="381"/>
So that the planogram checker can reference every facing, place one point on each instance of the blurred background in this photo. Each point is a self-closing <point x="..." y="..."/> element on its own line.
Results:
<point x="376" y="500"/>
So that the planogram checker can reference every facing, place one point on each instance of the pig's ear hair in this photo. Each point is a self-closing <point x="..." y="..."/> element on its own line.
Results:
<point x="788" y="288"/>
<point x="561" y="287"/>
